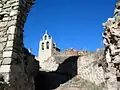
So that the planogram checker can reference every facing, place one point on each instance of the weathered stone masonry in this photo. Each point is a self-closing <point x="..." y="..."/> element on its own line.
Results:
<point x="14" y="58"/>
<point x="111" y="41"/>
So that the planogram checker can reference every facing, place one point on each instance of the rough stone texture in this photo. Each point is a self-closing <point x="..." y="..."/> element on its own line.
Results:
<point x="77" y="83"/>
<point x="52" y="63"/>
<point x="111" y="40"/>
<point x="15" y="70"/>
<point x="83" y="72"/>
<point x="89" y="76"/>
<point x="89" y="69"/>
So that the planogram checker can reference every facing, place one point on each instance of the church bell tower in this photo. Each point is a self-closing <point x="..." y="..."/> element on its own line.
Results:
<point x="45" y="48"/>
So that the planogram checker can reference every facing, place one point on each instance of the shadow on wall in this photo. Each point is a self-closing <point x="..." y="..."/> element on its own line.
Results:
<point x="51" y="80"/>
<point x="23" y="71"/>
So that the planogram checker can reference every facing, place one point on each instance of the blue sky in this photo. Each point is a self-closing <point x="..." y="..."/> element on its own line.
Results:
<point x="72" y="23"/>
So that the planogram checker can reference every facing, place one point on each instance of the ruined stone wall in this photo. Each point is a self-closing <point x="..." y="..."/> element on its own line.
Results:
<point x="111" y="40"/>
<point x="78" y="83"/>
<point x="89" y="73"/>
<point x="53" y="62"/>
<point x="71" y="52"/>
<point x="89" y="68"/>
<point x="83" y="72"/>
<point x="13" y="15"/>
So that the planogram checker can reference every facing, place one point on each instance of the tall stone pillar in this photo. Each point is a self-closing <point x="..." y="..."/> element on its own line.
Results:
<point x="111" y="40"/>
<point x="13" y="15"/>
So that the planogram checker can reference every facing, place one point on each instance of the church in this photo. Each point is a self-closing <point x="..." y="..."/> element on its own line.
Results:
<point x="47" y="48"/>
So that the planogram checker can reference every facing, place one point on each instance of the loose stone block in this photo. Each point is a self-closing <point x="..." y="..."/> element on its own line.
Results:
<point x="8" y="49"/>
<point x="2" y="46"/>
<point x="10" y="37"/>
<point x="4" y="12"/>
<point x="11" y="30"/>
<point x="14" y="12"/>
<point x="6" y="18"/>
<point x="12" y="23"/>
<point x="4" y="68"/>
<point x="0" y="9"/>
<point x="3" y="32"/>
<point x="3" y="39"/>
<point x="6" y="61"/>
<point x="6" y="77"/>
<point x="15" y="7"/>
<point x="1" y="5"/>
<point x="7" y="54"/>
<point x="117" y="59"/>
<point x="118" y="43"/>
<point x="14" y="17"/>
<point x="9" y="44"/>
<point x="15" y="4"/>
<point x="3" y="24"/>
<point x="6" y="6"/>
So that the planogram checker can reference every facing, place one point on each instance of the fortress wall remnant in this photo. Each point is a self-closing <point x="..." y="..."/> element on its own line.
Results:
<point x="111" y="40"/>
<point x="13" y="14"/>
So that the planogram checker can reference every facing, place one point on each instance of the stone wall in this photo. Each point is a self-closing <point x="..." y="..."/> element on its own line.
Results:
<point x="111" y="40"/>
<point x="13" y="73"/>
<point x="82" y="72"/>
<point x="89" y="69"/>
<point x="53" y="62"/>
<point x="78" y="83"/>
<point x="71" y="52"/>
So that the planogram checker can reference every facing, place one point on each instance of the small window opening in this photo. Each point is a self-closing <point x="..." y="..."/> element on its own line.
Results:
<point x="42" y="46"/>
<point x="45" y="37"/>
<point x="47" y="44"/>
